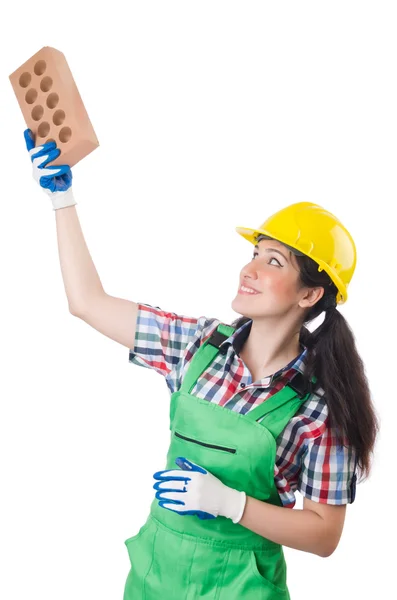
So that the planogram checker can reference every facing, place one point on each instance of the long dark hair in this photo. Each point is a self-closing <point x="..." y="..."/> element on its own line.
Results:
<point x="333" y="358"/>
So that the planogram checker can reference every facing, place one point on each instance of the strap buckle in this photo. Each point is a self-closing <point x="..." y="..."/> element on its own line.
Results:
<point x="300" y="384"/>
<point x="216" y="340"/>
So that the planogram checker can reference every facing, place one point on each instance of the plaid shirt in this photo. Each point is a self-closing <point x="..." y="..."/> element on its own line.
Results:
<point x="308" y="458"/>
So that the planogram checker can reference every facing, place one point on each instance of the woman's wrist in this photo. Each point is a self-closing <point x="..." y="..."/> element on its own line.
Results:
<point x="62" y="199"/>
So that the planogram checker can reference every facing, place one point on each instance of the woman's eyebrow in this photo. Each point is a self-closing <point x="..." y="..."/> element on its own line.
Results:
<point x="273" y="250"/>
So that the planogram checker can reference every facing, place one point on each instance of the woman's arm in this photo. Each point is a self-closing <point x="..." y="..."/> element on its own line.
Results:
<point x="79" y="274"/>
<point x="316" y="528"/>
<point x="114" y="317"/>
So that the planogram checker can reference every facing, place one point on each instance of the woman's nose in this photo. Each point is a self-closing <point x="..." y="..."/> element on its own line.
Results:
<point x="250" y="271"/>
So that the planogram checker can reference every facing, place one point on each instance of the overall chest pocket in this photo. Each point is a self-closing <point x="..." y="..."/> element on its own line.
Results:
<point x="237" y="462"/>
<point x="204" y="444"/>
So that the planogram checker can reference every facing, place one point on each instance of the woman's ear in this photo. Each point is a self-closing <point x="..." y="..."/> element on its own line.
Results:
<point x="311" y="297"/>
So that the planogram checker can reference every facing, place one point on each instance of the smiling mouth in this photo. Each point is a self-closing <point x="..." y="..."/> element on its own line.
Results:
<point x="247" y="291"/>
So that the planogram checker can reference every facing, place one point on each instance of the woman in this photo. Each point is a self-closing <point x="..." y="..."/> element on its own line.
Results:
<point x="258" y="409"/>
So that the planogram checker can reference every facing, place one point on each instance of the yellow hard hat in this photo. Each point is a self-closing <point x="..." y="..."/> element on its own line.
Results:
<point x="311" y="230"/>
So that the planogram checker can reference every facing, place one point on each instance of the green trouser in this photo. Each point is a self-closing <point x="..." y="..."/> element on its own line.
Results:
<point x="183" y="557"/>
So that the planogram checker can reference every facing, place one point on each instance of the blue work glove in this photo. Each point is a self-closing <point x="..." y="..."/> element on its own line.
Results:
<point x="56" y="181"/>
<point x="192" y="490"/>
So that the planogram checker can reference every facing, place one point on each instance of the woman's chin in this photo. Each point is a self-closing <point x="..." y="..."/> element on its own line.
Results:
<point x="241" y="305"/>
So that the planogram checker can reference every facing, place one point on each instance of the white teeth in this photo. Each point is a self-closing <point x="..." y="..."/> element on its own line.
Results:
<point x="245" y="289"/>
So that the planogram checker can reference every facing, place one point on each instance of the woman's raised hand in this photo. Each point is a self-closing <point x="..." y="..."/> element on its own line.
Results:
<point x="56" y="181"/>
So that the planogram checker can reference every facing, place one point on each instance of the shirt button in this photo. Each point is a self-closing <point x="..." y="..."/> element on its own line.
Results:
<point x="243" y="385"/>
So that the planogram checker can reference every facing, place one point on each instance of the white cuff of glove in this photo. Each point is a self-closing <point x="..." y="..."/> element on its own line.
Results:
<point x="62" y="199"/>
<point x="234" y="504"/>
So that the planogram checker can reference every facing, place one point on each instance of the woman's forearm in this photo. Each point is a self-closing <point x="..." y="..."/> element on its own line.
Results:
<point x="296" y="528"/>
<point x="79" y="274"/>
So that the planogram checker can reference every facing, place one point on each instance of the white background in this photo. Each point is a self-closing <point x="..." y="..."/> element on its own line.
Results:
<point x="210" y="115"/>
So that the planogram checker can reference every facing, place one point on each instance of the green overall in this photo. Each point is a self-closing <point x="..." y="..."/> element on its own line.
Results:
<point x="183" y="557"/>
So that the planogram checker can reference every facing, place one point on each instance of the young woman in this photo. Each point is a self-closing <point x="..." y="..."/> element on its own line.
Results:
<point x="259" y="408"/>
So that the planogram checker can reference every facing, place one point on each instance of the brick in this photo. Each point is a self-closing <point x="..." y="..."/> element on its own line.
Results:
<point x="52" y="106"/>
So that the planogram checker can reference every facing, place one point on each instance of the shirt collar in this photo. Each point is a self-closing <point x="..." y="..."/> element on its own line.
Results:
<point x="239" y="337"/>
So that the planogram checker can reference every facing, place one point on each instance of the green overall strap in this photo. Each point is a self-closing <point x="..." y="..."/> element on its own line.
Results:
<point x="291" y="397"/>
<point x="205" y="356"/>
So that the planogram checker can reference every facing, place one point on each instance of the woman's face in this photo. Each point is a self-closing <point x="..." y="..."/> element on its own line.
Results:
<point x="274" y="273"/>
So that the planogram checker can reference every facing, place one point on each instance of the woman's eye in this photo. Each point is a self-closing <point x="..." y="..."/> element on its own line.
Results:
<point x="272" y="258"/>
